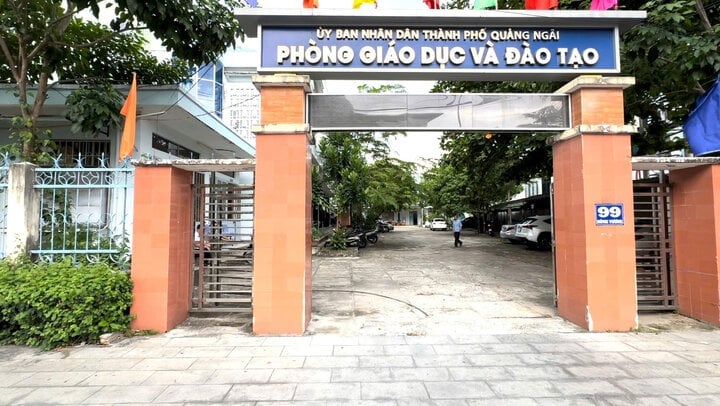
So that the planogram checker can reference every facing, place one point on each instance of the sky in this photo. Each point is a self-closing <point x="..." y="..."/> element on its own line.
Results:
<point x="418" y="147"/>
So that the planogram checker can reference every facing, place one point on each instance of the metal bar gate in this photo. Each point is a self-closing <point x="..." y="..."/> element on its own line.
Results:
<point x="223" y="248"/>
<point x="653" y="246"/>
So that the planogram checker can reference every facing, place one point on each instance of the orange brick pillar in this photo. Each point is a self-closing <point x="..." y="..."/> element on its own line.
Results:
<point x="595" y="264"/>
<point x="282" y="284"/>
<point x="696" y="239"/>
<point x="161" y="247"/>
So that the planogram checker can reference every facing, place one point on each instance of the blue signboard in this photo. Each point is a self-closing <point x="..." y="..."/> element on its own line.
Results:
<point x="609" y="214"/>
<point x="469" y="50"/>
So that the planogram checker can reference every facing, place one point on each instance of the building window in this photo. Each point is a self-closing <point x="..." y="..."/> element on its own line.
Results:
<point x="165" y="145"/>
<point x="92" y="152"/>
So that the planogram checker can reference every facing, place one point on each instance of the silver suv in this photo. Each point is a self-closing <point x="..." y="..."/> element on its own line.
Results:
<point x="536" y="231"/>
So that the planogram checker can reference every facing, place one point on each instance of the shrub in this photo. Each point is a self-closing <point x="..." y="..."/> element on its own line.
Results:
<point x="50" y="305"/>
<point x="337" y="240"/>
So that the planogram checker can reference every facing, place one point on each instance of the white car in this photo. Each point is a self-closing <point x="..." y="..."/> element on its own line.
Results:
<point x="537" y="232"/>
<point x="438" y="224"/>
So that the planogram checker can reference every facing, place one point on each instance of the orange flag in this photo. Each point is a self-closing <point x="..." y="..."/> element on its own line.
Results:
<point x="129" y="110"/>
<point x="541" y="4"/>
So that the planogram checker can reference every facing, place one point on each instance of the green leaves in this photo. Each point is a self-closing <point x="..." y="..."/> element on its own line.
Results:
<point x="50" y="305"/>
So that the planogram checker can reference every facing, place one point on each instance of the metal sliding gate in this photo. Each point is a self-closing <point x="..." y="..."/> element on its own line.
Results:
<point x="653" y="246"/>
<point x="223" y="248"/>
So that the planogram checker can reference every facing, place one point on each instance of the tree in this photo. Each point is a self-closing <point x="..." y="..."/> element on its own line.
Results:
<point x="391" y="187"/>
<point x="44" y="42"/>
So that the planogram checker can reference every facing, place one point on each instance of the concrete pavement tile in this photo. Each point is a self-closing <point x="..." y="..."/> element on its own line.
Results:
<point x="574" y="401"/>
<point x="111" y="364"/>
<point x="701" y="368"/>
<point x="210" y="341"/>
<point x="220" y="363"/>
<point x="558" y="347"/>
<point x="409" y="349"/>
<point x="700" y="356"/>
<point x="428" y="340"/>
<point x="395" y="390"/>
<point x="516" y="348"/>
<point x="125" y="394"/>
<point x="386" y="361"/>
<point x="343" y="350"/>
<point x="535" y="389"/>
<point x="275" y="362"/>
<point x="669" y="370"/>
<point x="614" y="358"/>
<point x="281" y="341"/>
<point x="305" y="350"/>
<point x="557" y="338"/>
<point x="270" y="391"/>
<point x="431" y="402"/>
<point x="240" y="376"/>
<point x="97" y="352"/>
<point x="458" y="390"/>
<point x="362" y="375"/>
<point x="57" y="396"/>
<point x="332" y="362"/>
<point x="273" y="351"/>
<point x="694" y="400"/>
<point x="701" y="385"/>
<point x="652" y="387"/>
<point x="189" y="377"/>
<point x="235" y="340"/>
<point x="644" y="401"/>
<point x="484" y="360"/>
<point x="8" y="379"/>
<point x="597" y="371"/>
<point x="450" y="349"/>
<point x="10" y="396"/>
<point x="204" y="352"/>
<point x="653" y="356"/>
<point x="50" y="365"/>
<point x="587" y="387"/>
<point x="193" y="393"/>
<point x="381" y="340"/>
<point x="164" y="364"/>
<point x="609" y="346"/>
<point x="153" y="352"/>
<point x="539" y="372"/>
<point x="476" y="339"/>
<point x="323" y="339"/>
<point x="117" y="378"/>
<point x="328" y="391"/>
<point x="301" y="375"/>
<point x="508" y="402"/>
<point x="548" y="358"/>
<point x="291" y="403"/>
<point x="420" y="374"/>
<point x="45" y="379"/>
<point x="655" y="345"/>
<point x="441" y="360"/>
<point x="479" y="373"/>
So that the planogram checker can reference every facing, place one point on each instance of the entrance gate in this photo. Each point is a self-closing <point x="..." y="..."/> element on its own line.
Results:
<point x="653" y="245"/>
<point x="223" y="248"/>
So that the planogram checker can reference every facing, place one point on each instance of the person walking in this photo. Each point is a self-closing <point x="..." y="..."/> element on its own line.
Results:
<point x="457" y="226"/>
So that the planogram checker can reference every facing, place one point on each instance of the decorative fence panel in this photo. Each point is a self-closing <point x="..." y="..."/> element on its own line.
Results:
<point x="4" y="169"/>
<point x="86" y="213"/>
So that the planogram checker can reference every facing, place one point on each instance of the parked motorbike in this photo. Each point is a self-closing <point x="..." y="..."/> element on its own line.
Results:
<point x="372" y="236"/>
<point x="384" y="226"/>
<point x="356" y="238"/>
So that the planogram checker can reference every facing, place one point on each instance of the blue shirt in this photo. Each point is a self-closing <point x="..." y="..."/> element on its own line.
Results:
<point x="457" y="225"/>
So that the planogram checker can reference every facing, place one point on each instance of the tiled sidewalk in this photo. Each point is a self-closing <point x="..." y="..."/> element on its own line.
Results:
<point x="526" y="369"/>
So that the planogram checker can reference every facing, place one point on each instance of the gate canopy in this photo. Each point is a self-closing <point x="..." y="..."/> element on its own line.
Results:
<point x="440" y="112"/>
<point x="554" y="45"/>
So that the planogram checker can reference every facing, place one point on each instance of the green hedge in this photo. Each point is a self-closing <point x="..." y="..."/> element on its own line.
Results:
<point x="50" y="305"/>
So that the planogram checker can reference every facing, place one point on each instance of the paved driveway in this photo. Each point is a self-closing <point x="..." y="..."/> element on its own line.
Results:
<point x="414" y="282"/>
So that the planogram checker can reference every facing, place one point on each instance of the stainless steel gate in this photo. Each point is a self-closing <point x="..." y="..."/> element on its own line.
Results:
<point x="223" y="248"/>
<point x="653" y="246"/>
